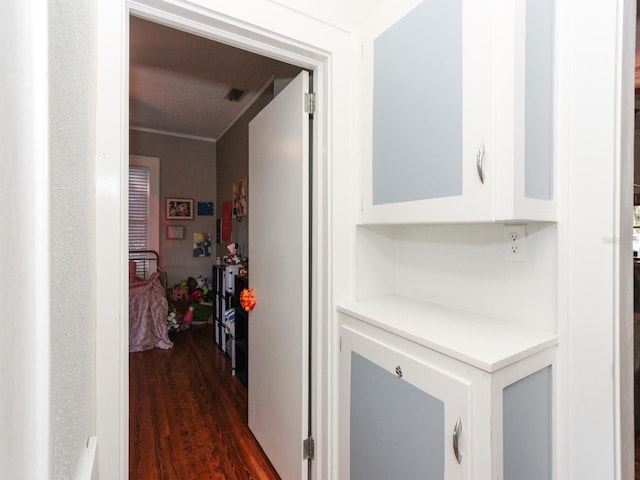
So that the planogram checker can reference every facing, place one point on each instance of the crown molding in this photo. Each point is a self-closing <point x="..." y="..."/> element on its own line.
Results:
<point x="172" y="134"/>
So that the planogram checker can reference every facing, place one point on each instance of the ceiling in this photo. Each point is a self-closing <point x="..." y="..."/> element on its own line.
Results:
<point x="178" y="81"/>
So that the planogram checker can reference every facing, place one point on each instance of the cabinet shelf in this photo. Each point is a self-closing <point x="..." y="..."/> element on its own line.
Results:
<point x="485" y="343"/>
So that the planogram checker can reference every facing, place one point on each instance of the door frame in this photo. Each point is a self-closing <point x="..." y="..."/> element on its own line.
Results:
<point x="330" y="64"/>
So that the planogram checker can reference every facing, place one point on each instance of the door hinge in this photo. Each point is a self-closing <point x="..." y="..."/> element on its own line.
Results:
<point x="308" y="449"/>
<point x="310" y="103"/>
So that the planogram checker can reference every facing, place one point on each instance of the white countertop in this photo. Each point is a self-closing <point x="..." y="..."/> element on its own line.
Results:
<point x="485" y="343"/>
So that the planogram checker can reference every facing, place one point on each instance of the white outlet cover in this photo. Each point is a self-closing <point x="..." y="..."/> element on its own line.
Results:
<point x="515" y="243"/>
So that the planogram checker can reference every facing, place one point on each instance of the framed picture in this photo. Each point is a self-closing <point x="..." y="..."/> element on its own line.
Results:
<point x="201" y="244"/>
<point x="205" y="208"/>
<point x="175" y="232"/>
<point x="179" y="208"/>
<point x="240" y="203"/>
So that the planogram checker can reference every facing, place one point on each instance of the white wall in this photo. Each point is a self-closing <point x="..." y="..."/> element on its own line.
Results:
<point x="462" y="266"/>
<point x="47" y="273"/>
<point x="24" y="186"/>
<point x="72" y="91"/>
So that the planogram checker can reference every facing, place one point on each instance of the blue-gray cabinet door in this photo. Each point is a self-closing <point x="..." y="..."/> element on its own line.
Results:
<point x="399" y="414"/>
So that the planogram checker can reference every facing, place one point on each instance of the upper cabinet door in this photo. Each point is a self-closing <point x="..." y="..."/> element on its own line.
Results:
<point x="524" y="82"/>
<point x="433" y="111"/>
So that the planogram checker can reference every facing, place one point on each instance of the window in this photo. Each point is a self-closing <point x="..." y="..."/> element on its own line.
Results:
<point x="139" y="215"/>
<point x="143" y="210"/>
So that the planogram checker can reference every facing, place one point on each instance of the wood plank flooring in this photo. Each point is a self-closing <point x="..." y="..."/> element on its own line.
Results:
<point x="188" y="415"/>
<point x="637" y="458"/>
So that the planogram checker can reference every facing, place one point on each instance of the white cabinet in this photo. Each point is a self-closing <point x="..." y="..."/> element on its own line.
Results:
<point x="457" y="112"/>
<point x="431" y="392"/>
<point x="401" y="413"/>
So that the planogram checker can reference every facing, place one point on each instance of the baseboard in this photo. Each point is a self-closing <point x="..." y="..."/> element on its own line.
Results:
<point x="87" y="465"/>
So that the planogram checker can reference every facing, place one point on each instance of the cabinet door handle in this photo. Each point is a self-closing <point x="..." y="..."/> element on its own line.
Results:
<point x="457" y="431"/>
<point x="479" y="162"/>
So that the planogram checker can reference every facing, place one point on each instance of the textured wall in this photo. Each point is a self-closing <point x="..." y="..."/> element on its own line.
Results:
<point x="187" y="170"/>
<point x="72" y="90"/>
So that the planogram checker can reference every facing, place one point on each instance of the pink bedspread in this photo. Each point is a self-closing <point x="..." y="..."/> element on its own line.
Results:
<point x="148" y="309"/>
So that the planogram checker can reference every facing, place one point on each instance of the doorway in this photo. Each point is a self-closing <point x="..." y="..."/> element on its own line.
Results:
<point x="193" y="62"/>
<point x="112" y="142"/>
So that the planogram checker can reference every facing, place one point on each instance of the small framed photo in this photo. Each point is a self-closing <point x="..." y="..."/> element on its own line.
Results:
<point x="175" y="232"/>
<point x="179" y="208"/>
<point x="240" y="203"/>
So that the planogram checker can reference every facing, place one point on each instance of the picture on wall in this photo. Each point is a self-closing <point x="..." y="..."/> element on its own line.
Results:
<point x="175" y="232"/>
<point x="240" y="203"/>
<point x="205" y="208"/>
<point x="201" y="244"/>
<point x="179" y="208"/>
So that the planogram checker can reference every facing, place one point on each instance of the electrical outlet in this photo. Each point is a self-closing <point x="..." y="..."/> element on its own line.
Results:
<point x="515" y="242"/>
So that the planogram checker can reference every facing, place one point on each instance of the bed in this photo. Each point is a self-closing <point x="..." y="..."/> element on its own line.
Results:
<point x="148" y="305"/>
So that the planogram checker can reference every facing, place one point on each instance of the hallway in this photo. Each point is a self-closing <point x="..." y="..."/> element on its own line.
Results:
<point x="187" y="415"/>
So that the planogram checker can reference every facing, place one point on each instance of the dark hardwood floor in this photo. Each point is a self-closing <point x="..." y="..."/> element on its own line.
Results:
<point x="188" y="415"/>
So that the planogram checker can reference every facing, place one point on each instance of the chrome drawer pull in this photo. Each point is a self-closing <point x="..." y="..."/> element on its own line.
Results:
<point x="479" y="162"/>
<point x="457" y="431"/>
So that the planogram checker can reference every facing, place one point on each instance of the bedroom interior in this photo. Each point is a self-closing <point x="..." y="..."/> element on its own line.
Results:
<point x="202" y="147"/>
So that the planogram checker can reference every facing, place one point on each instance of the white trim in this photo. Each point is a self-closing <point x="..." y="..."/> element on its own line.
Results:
<point x="593" y="146"/>
<point x="86" y="468"/>
<point x="38" y="328"/>
<point x="172" y="134"/>
<point x="112" y="156"/>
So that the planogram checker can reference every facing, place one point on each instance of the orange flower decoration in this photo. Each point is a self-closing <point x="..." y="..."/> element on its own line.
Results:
<point x="247" y="300"/>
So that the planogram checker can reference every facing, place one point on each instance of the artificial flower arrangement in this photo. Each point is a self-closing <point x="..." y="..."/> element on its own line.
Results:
<point x="172" y="322"/>
<point x="247" y="299"/>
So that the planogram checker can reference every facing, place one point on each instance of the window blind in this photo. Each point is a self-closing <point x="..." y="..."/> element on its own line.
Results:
<point x="139" y="214"/>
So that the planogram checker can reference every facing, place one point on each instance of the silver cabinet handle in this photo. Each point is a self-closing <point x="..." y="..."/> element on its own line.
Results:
<point x="479" y="162"/>
<point x="457" y="431"/>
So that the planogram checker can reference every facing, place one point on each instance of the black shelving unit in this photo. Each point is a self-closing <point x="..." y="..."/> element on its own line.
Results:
<point x="219" y="305"/>
<point x="241" y="334"/>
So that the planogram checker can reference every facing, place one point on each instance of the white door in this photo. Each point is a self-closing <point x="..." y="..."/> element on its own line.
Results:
<point x="279" y="276"/>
